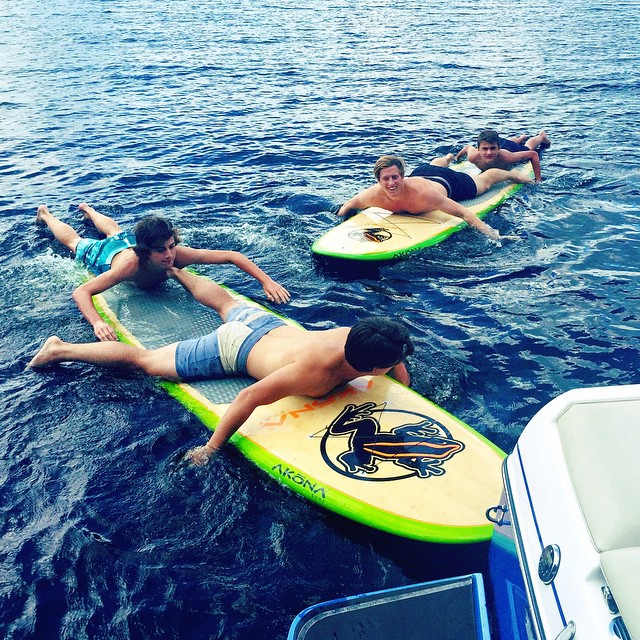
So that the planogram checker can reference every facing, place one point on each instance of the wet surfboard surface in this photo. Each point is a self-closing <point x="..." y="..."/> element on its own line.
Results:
<point x="373" y="450"/>
<point x="378" y="234"/>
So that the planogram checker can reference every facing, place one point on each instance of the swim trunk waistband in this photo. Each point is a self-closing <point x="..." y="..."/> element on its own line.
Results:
<point x="459" y="185"/>
<point x="226" y="350"/>
<point x="245" y="325"/>
<point x="97" y="255"/>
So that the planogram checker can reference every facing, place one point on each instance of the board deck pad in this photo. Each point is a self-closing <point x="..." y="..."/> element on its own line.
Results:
<point x="159" y="318"/>
<point x="372" y="450"/>
<point x="378" y="234"/>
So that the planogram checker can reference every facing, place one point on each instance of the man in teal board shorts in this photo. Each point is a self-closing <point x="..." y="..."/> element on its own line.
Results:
<point x="141" y="259"/>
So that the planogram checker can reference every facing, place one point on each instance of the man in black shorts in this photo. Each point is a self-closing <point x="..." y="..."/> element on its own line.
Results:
<point x="495" y="152"/>
<point x="458" y="185"/>
<point x="430" y="187"/>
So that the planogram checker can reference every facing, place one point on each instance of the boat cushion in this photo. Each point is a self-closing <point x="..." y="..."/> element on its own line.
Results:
<point x="621" y="568"/>
<point x="600" y="443"/>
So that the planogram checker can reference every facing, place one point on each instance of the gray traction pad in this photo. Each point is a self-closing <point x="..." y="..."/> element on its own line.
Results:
<point x="168" y="314"/>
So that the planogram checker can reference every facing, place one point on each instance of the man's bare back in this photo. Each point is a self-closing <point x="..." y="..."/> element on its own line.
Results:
<point x="318" y="355"/>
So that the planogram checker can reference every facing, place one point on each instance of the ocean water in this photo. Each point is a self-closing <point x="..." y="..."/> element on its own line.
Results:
<point x="245" y="123"/>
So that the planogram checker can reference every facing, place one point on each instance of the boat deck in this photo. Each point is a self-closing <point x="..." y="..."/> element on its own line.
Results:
<point x="573" y="482"/>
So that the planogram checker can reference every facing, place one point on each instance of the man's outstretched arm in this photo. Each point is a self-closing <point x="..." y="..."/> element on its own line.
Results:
<point x="186" y="255"/>
<point x="465" y="151"/>
<point x="357" y="203"/>
<point x="516" y="157"/>
<point x="291" y="380"/>
<point x="83" y="295"/>
<point x="455" y="209"/>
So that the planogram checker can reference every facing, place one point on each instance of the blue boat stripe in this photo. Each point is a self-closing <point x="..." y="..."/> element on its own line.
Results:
<point x="535" y="521"/>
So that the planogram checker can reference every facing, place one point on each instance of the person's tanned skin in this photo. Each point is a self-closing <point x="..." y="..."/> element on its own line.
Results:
<point x="286" y="361"/>
<point x="415" y="195"/>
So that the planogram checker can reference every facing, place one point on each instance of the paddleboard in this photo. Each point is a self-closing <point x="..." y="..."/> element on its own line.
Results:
<point x="378" y="234"/>
<point x="373" y="450"/>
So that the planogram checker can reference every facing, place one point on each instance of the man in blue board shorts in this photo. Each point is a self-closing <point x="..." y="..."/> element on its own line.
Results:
<point x="285" y="360"/>
<point x="430" y="187"/>
<point x="495" y="152"/>
<point x="141" y="258"/>
<point x="225" y="351"/>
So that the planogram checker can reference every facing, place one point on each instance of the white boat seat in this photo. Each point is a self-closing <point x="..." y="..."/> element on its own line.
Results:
<point x="621" y="568"/>
<point x="601" y="446"/>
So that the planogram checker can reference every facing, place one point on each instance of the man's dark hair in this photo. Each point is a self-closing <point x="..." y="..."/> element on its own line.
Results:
<point x="489" y="136"/>
<point x="153" y="231"/>
<point x="377" y="343"/>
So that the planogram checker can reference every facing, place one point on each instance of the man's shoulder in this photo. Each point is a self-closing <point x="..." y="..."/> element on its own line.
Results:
<point x="126" y="261"/>
<point x="472" y="152"/>
<point x="373" y="190"/>
<point x="370" y="197"/>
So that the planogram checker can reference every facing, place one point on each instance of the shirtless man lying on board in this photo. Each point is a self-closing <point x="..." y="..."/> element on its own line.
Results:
<point x="494" y="152"/>
<point x="285" y="360"/>
<point x="141" y="258"/>
<point x="429" y="187"/>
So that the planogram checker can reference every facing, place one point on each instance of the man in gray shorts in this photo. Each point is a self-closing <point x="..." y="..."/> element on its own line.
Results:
<point x="285" y="360"/>
<point x="225" y="351"/>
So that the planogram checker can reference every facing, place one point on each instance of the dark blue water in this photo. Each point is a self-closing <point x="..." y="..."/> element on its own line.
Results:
<point x="245" y="122"/>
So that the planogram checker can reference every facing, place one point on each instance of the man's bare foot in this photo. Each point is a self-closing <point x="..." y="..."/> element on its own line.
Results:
<point x="545" y="142"/>
<point x="43" y="210"/>
<point x="86" y="210"/>
<point x="47" y="354"/>
<point x="519" y="139"/>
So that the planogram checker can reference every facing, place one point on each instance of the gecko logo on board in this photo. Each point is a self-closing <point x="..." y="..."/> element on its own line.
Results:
<point x="371" y="442"/>
<point x="372" y="234"/>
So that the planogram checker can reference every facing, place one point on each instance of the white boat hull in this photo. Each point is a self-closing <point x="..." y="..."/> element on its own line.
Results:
<point x="573" y="481"/>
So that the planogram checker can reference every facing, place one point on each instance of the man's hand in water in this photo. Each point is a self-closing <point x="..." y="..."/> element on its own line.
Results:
<point x="276" y="292"/>
<point x="104" y="332"/>
<point x="200" y="456"/>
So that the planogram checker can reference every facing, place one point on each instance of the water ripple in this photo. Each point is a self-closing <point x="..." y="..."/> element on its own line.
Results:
<point x="246" y="123"/>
